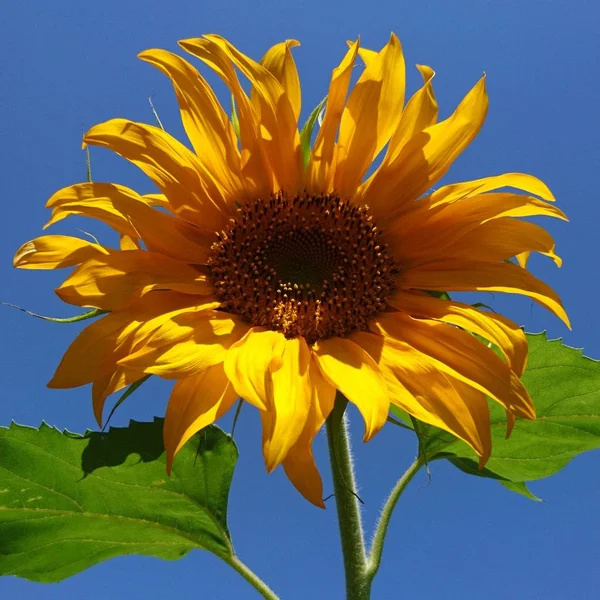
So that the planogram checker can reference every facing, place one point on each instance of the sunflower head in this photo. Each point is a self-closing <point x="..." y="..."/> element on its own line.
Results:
<point x="281" y="273"/>
<point x="305" y="265"/>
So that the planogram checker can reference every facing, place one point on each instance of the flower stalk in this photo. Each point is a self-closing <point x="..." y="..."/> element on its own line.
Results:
<point x="360" y="567"/>
<point x="347" y="503"/>
<point x="252" y="578"/>
<point x="376" y="550"/>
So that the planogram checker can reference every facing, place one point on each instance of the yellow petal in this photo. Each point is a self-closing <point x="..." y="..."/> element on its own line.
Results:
<point x="429" y="154"/>
<point x="131" y="215"/>
<point x="470" y="276"/>
<point x="151" y="312"/>
<point x="206" y="123"/>
<point x="280" y="62"/>
<point x="485" y="207"/>
<point x="508" y="336"/>
<point x="323" y="398"/>
<point x="126" y="242"/>
<point x="96" y="200"/>
<point x="528" y="183"/>
<point x="248" y="365"/>
<point x="302" y="471"/>
<point x="104" y="387"/>
<point x="371" y="115"/>
<point x="501" y="239"/>
<point x="460" y="355"/>
<point x="99" y="397"/>
<point x="256" y="169"/>
<point x="56" y="252"/>
<point x="172" y="325"/>
<point x="421" y="112"/>
<point x="351" y="370"/>
<point x="319" y="174"/>
<point x="426" y="227"/>
<point x="430" y="395"/>
<point x="399" y="395"/>
<point x="278" y="124"/>
<point x="95" y="351"/>
<point x="115" y="280"/>
<point x="164" y="233"/>
<point x="186" y="344"/>
<point x="84" y="360"/>
<point x="195" y="402"/>
<point x="299" y="464"/>
<point x="367" y="56"/>
<point x="523" y="257"/>
<point x="478" y="420"/>
<point x="190" y="188"/>
<point x="462" y="410"/>
<point x="493" y="241"/>
<point x="285" y="418"/>
<point x="465" y="412"/>
<point x="158" y="200"/>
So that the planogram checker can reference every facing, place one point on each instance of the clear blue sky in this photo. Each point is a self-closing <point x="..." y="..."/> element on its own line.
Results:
<point x="68" y="65"/>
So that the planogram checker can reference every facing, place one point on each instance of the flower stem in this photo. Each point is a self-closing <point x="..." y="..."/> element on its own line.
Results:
<point x="347" y="503"/>
<point x="252" y="578"/>
<point x="374" y="560"/>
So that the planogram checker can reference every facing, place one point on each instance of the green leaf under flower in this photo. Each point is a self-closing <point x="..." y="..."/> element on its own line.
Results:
<point x="68" y="502"/>
<point x="520" y="487"/>
<point x="565" y="388"/>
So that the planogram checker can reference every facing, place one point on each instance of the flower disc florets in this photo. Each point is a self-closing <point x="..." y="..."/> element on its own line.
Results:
<point x="306" y="265"/>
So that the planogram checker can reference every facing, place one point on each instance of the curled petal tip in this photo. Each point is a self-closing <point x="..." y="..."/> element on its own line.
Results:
<point x="22" y="253"/>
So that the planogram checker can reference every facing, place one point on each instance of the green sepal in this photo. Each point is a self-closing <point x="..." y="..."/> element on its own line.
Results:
<point x="440" y="295"/>
<point x="130" y="389"/>
<point x="155" y="113"/>
<point x="88" y="164"/>
<point x="235" y="122"/>
<point x="307" y="130"/>
<point x="96" y="312"/>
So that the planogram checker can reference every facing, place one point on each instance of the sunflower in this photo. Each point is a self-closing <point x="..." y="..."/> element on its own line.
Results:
<point x="281" y="273"/>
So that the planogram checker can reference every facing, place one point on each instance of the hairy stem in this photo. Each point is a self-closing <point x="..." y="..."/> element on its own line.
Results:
<point x="252" y="578"/>
<point x="347" y="503"/>
<point x="374" y="560"/>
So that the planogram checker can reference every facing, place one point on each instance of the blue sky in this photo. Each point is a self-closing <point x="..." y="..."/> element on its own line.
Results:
<point x="68" y="65"/>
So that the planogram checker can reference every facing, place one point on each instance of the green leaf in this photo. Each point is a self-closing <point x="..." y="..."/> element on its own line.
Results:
<point x="565" y="388"/>
<point x="68" y="502"/>
<point x="307" y="130"/>
<point x="401" y="415"/>
<point x="520" y="487"/>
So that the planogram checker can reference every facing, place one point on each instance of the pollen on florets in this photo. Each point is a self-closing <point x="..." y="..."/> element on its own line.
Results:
<point x="305" y="265"/>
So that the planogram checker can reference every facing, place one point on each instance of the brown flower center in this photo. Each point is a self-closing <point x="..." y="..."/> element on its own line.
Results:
<point x="304" y="265"/>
